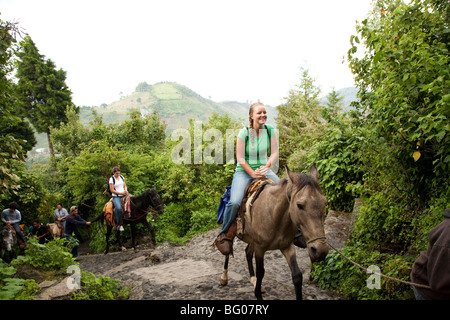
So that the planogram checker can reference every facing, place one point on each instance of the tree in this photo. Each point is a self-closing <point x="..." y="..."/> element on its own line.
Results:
<point x="404" y="81"/>
<point x="299" y="122"/>
<point x="333" y="107"/>
<point x="403" y="77"/>
<point x="11" y="152"/>
<point x="41" y="90"/>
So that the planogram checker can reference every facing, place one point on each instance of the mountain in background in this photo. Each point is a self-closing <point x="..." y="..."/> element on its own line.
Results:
<point x="175" y="104"/>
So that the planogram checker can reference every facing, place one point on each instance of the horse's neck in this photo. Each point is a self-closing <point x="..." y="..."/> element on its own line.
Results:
<point x="276" y="199"/>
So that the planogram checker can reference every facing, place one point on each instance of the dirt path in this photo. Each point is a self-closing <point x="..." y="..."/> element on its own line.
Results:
<point x="193" y="271"/>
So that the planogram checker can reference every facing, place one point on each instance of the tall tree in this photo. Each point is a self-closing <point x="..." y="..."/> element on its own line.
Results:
<point x="404" y="82"/>
<point x="10" y="149"/>
<point x="299" y="122"/>
<point x="42" y="93"/>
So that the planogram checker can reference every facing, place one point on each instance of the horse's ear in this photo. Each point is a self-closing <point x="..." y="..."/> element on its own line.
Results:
<point x="290" y="174"/>
<point x="314" y="173"/>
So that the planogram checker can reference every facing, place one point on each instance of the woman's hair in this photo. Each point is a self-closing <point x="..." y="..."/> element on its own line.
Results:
<point x="115" y="169"/>
<point x="250" y="120"/>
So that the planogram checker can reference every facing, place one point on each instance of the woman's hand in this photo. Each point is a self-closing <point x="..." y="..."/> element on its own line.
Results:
<point x="260" y="173"/>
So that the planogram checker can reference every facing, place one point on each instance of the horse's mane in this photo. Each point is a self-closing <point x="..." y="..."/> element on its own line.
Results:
<point x="142" y="195"/>
<point x="303" y="181"/>
<point x="307" y="180"/>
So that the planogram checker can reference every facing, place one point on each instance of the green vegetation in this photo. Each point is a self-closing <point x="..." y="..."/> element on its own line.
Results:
<point x="51" y="261"/>
<point x="401" y="128"/>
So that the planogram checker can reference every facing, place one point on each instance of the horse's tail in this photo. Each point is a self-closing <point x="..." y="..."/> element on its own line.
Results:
<point x="100" y="217"/>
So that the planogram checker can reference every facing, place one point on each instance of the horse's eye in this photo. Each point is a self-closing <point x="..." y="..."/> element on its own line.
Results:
<point x="300" y="206"/>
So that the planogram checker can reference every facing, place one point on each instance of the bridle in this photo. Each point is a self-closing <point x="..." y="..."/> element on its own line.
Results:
<point x="315" y="239"/>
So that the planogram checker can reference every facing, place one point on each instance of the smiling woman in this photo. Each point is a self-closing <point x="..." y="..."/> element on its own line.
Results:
<point x="252" y="146"/>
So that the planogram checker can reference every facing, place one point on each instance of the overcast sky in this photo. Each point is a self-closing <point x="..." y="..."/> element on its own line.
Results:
<point x="241" y="50"/>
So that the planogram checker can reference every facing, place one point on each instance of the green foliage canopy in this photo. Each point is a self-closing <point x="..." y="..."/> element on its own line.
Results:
<point x="41" y="90"/>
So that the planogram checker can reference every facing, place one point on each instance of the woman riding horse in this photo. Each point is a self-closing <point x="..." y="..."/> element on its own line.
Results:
<point x="252" y="146"/>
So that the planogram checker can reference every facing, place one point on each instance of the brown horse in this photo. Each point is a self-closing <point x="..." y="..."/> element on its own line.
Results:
<point x="141" y="205"/>
<point x="295" y="203"/>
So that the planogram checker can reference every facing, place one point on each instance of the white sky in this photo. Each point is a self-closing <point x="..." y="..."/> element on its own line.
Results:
<point x="228" y="50"/>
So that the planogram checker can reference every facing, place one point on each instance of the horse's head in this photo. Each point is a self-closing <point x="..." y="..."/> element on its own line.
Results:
<point x="306" y="209"/>
<point x="155" y="201"/>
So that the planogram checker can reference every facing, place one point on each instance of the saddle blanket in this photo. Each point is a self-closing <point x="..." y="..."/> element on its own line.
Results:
<point x="252" y="191"/>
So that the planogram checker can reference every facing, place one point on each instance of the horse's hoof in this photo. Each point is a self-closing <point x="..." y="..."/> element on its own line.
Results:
<point x="223" y="282"/>
<point x="123" y="249"/>
<point x="253" y="282"/>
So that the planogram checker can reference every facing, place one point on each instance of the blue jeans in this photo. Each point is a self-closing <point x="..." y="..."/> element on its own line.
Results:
<point x="19" y="233"/>
<point x="118" y="205"/>
<point x="73" y="242"/>
<point x="418" y="295"/>
<point x="240" y="181"/>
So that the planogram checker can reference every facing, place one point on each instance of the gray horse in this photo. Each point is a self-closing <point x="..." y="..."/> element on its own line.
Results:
<point x="295" y="203"/>
<point x="7" y="241"/>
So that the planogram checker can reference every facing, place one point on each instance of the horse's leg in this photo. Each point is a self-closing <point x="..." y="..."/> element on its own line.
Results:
<point x="152" y="230"/>
<point x="119" y="240"/>
<point x="297" y="277"/>
<point x="259" y="257"/>
<point x="133" y="236"/>
<point x="224" y="277"/>
<point x="108" y="234"/>
<point x="249" y="252"/>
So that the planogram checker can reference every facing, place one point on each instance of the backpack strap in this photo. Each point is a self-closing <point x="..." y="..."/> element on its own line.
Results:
<point x="269" y="133"/>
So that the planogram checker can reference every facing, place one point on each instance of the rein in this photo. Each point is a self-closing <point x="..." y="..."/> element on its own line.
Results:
<point x="315" y="239"/>
<point x="379" y="274"/>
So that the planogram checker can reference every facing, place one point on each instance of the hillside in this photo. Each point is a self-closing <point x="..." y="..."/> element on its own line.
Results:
<point x="175" y="104"/>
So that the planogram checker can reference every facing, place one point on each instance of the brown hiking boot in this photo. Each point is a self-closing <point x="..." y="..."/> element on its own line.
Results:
<point x="224" y="242"/>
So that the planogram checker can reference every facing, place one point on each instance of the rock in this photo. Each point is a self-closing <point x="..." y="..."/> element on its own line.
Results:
<point x="57" y="291"/>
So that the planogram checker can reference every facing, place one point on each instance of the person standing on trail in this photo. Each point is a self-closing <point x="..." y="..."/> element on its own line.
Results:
<point x="252" y="146"/>
<point x="71" y="230"/>
<point x="118" y="189"/>
<point x="432" y="267"/>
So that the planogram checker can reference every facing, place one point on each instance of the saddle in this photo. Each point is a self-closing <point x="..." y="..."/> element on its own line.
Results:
<point x="253" y="189"/>
<point x="110" y="212"/>
<point x="126" y="206"/>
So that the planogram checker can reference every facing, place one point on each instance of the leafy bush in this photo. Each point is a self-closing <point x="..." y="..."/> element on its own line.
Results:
<point x="338" y="274"/>
<point x="14" y="288"/>
<point x="202" y="221"/>
<point x="404" y="81"/>
<point x="337" y="156"/>
<point x="99" y="288"/>
<point x="53" y="255"/>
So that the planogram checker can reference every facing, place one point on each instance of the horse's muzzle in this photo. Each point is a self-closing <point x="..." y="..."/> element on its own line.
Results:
<point x="318" y="249"/>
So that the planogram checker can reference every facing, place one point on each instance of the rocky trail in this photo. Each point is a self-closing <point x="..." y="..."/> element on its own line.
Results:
<point x="192" y="271"/>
